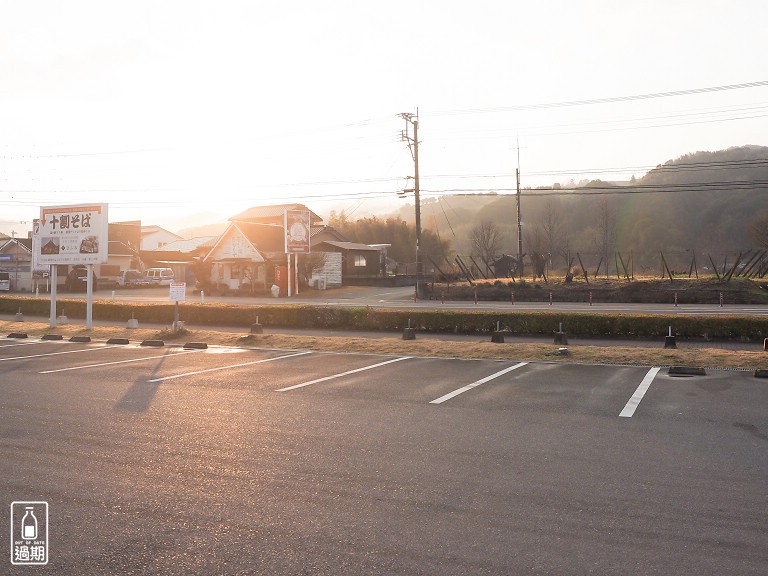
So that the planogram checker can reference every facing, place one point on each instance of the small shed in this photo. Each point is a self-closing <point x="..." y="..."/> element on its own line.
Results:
<point x="505" y="266"/>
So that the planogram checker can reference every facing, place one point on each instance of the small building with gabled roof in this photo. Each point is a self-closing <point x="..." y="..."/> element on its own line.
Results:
<point x="244" y="255"/>
<point x="154" y="237"/>
<point x="273" y="214"/>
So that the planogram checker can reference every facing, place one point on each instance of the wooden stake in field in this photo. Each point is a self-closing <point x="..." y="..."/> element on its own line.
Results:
<point x="584" y="270"/>
<point x="671" y="280"/>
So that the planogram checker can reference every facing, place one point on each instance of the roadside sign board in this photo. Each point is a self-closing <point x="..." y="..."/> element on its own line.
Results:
<point x="178" y="292"/>
<point x="74" y="234"/>
<point x="297" y="231"/>
<point x="38" y="270"/>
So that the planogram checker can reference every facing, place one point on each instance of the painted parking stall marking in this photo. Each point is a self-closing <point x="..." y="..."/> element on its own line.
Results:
<point x="94" y="349"/>
<point x="27" y="343"/>
<point x="634" y="402"/>
<point x="263" y="360"/>
<point x="166" y="355"/>
<point x="476" y="384"/>
<point x="347" y="373"/>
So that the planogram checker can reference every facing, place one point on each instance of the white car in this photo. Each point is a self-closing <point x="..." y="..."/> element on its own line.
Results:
<point x="159" y="276"/>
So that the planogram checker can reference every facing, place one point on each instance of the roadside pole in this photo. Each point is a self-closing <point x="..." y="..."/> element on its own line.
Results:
<point x="52" y="276"/>
<point x="296" y="272"/>
<point x="89" y="297"/>
<point x="289" y="274"/>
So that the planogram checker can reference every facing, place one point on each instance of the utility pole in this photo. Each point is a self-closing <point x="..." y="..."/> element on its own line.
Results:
<point x="519" y="217"/>
<point x="16" y="258"/>
<point x="413" y="145"/>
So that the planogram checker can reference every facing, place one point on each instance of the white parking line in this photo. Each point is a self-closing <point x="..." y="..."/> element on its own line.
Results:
<point x="287" y="388"/>
<point x="166" y="355"/>
<point x="56" y="353"/>
<point x="634" y="402"/>
<point x="476" y="384"/>
<point x="228" y="367"/>
<point x="28" y="342"/>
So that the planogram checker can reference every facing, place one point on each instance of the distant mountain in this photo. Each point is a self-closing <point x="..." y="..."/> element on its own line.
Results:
<point x="702" y="203"/>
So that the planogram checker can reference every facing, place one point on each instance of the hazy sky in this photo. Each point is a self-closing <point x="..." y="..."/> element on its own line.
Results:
<point x="167" y="109"/>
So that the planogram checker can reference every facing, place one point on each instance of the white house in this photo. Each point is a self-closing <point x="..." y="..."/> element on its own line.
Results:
<point x="154" y="237"/>
<point x="243" y="252"/>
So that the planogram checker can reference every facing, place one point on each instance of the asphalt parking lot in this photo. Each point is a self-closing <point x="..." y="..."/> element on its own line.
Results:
<point x="164" y="460"/>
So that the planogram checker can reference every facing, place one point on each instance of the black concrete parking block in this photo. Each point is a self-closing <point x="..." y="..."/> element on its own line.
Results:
<point x="17" y="335"/>
<point x="80" y="339"/>
<point x="196" y="345"/>
<point x="156" y="343"/>
<point x="686" y="371"/>
<point x="52" y="337"/>
<point x="118" y="341"/>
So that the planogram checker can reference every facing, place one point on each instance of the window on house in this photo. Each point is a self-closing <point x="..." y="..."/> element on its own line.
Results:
<point x="359" y="260"/>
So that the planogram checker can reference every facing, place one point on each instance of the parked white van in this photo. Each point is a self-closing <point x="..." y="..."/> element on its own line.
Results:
<point x="159" y="276"/>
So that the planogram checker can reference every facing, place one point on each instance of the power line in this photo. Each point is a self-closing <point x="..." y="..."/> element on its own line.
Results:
<point x="613" y="99"/>
<point x="688" y="166"/>
<point x="725" y="186"/>
<point x="661" y="168"/>
<point x="608" y="189"/>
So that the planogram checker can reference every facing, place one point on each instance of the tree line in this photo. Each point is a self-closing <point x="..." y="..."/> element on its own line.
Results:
<point x="701" y="203"/>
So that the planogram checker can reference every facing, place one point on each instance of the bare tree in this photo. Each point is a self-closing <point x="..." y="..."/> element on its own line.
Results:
<point x="758" y="229"/>
<point x="536" y="247"/>
<point x="554" y="230"/>
<point x="487" y="239"/>
<point x="604" y="231"/>
<point x="309" y="264"/>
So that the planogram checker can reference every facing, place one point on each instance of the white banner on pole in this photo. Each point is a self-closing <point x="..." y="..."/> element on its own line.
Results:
<point x="74" y="234"/>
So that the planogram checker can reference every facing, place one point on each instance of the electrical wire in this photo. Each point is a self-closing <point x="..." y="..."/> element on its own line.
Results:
<point x="609" y="100"/>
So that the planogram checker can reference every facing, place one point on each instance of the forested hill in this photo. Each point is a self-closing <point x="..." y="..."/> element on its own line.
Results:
<point x="707" y="202"/>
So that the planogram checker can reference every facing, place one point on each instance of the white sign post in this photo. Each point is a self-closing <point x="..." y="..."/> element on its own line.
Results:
<point x="74" y="234"/>
<point x="177" y="293"/>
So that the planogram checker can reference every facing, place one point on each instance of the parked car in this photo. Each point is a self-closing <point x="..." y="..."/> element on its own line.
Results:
<point x="5" y="281"/>
<point x="132" y="279"/>
<point x="159" y="276"/>
<point x="77" y="279"/>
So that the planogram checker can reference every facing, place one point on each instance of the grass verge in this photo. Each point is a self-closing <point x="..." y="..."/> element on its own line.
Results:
<point x="423" y="346"/>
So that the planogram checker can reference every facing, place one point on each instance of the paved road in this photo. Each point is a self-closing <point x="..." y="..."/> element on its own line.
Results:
<point x="403" y="298"/>
<point x="230" y="461"/>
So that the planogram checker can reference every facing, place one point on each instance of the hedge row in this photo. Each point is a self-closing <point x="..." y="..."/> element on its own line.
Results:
<point x="739" y="291"/>
<point x="582" y="324"/>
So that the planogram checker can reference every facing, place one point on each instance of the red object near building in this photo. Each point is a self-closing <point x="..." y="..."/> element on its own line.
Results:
<point x="281" y="280"/>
